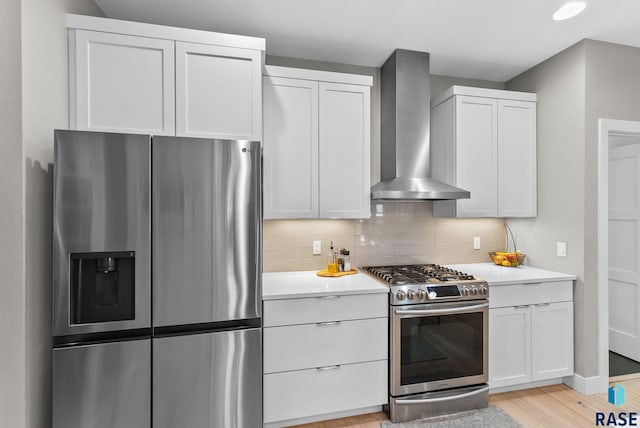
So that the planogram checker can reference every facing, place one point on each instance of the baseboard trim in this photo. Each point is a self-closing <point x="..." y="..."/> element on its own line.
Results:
<point x="586" y="385"/>
<point x="323" y="417"/>
<point x="529" y="385"/>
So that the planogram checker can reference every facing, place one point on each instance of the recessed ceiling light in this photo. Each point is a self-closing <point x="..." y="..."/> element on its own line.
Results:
<point x="569" y="10"/>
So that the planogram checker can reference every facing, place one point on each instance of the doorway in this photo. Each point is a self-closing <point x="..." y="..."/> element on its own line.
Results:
<point x="624" y="239"/>
<point x="618" y="248"/>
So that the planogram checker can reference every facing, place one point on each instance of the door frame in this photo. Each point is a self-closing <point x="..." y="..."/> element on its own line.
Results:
<point x="606" y="128"/>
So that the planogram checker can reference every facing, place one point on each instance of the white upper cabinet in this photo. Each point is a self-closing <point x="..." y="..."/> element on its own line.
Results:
<point x="316" y="144"/>
<point x="517" y="159"/>
<point x="121" y="83"/>
<point x="143" y="78"/>
<point x="290" y="148"/>
<point x="484" y="141"/>
<point x="345" y="136"/>
<point x="218" y="92"/>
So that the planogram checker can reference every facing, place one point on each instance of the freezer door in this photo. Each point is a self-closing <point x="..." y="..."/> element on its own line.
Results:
<point x="101" y="232"/>
<point x="102" y="385"/>
<point x="207" y="230"/>
<point x="208" y="380"/>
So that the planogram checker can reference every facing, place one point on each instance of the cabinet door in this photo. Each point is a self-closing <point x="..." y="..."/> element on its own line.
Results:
<point x="516" y="159"/>
<point x="290" y="144"/>
<point x="476" y="155"/>
<point x="344" y="133"/>
<point x="552" y="340"/>
<point x="218" y="92"/>
<point x="121" y="83"/>
<point x="509" y="346"/>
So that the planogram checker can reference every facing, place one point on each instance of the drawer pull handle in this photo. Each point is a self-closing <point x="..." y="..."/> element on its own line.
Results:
<point x="521" y="306"/>
<point x="328" y="297"/>
<point x="532" y="283"/>
<point x="543" y="304"/>
<point x="320" y="324"/>
<point x="324" y="369"/>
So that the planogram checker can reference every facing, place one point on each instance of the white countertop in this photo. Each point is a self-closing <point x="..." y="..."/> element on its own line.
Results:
<point x="501" y="275"/>
<point x="287" y="285"/>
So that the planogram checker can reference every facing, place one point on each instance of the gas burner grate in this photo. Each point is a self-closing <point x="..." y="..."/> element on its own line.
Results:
<point x="416" y="274"/>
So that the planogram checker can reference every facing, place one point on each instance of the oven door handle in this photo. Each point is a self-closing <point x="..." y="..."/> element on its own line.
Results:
<point x="447" y="398"/>
<point x="448" y="311"/>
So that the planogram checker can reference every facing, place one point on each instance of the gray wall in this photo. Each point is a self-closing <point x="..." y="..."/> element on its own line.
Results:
<point x="34" y="87"/>
<point x="586" y="82"/>
<point x="12" y="307"/>
<point x="612" y="92"/>
<point x="560" y="85"/>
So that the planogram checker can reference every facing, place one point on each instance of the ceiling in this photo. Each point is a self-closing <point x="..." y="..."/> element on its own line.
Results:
<point x="490" y="39"/>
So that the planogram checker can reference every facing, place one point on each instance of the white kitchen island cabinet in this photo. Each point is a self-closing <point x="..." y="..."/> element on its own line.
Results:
<point x="151" y="79"/>
<point x="316" y="144"/>
<point x="530" y="325"/>
<point x="325" y="347"/>
<point x="484" y="141"/>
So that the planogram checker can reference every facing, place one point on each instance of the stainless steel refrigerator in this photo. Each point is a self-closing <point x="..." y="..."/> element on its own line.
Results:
<point x="156" y="293"/>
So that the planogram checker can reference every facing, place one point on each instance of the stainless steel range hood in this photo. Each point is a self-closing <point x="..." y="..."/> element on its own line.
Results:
<point x="404" y="136"/>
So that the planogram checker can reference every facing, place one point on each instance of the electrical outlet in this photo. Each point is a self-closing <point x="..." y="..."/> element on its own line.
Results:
<point x="561" y="249"/>
<point x="476" y="242"/>
<point x="317" y="248"/>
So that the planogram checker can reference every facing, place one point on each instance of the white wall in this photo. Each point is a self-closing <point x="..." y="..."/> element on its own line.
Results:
<point x="12" y="309"/>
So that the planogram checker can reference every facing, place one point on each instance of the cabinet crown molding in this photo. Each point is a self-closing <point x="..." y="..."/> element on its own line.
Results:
<point x="317" y="75"/>
<point x="482" y="92"/>
<point x="107" y="25"/>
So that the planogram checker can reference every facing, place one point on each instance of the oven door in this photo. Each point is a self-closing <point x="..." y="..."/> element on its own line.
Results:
<point x="438" y="346"/>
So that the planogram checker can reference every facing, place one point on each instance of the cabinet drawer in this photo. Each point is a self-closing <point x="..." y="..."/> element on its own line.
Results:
<point x="530" y="293"/>
<point x="324" y="344"/>
<point x="306" y="393"/>
<point x="325" y="308"/>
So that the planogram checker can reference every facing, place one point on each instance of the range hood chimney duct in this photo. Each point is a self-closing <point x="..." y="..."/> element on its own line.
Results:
<point x="405" y="132"/>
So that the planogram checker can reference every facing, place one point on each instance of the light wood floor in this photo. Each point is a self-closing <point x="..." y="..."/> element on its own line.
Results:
<point x="556" y="406"/>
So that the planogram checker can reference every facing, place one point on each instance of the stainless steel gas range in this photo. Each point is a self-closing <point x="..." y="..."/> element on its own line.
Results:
<point x="438" y="340"/>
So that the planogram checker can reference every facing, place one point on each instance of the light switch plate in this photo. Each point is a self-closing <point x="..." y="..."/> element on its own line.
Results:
<point x="317" y="247"/>
<point x="561" y="249"/>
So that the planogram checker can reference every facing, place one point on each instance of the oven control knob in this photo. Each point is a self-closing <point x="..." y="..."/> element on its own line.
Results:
<point x="421" y="294"/>
<point x="411" y="294"/>
<point x="483" y="290"/>
<point x="465" y="291"/>
<point x="474" y="291"/>
<point x="400" y="295"/>
<point x="433" y="294"/>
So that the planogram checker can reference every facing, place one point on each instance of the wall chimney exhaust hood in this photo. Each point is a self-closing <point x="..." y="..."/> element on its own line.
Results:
<point x="405" y="128"/>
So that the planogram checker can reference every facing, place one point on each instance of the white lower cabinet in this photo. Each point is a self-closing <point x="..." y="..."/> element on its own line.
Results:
<point x="321" y="360"/>
<point x="324" y="390"/>
<point x="530" y="333"/>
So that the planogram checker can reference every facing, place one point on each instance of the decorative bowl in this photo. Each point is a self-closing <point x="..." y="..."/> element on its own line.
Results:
<point x="503" y="258"/>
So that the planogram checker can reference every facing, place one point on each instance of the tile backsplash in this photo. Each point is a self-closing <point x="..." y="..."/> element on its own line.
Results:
<point x="396" y="233"/>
